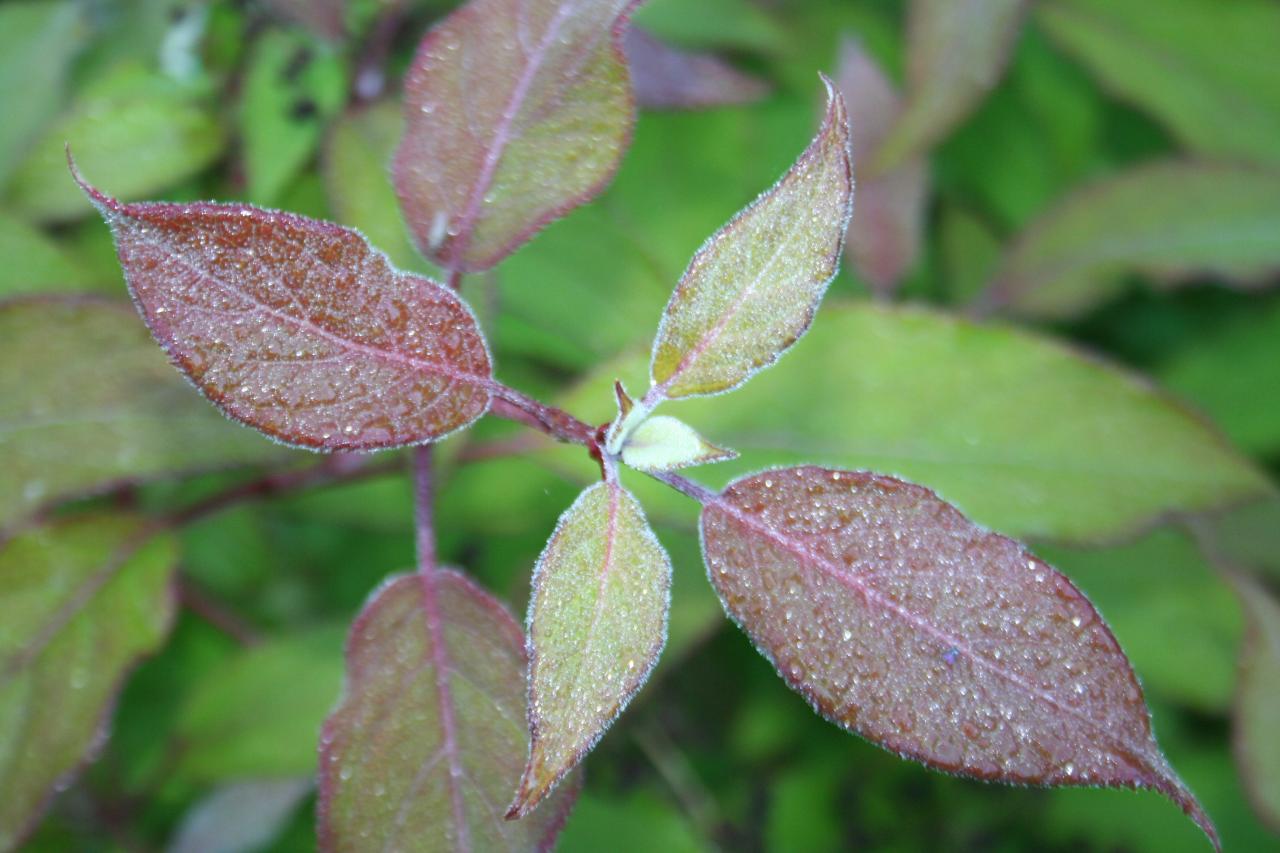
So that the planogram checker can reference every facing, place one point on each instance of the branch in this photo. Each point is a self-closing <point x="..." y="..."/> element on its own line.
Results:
<point x="424" y="508"/>
<point x="514" y="406"/>
<point x="339" y="467"/>
<point x="685" y="486"/>
<point x="193" y="597"/>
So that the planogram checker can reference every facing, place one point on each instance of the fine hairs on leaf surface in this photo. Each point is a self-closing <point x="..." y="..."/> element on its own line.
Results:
<point x="899" y="619"/>
<point x="429" y="737"/>
<point x="882" y="604"/>
<point x="516" y="112"/>
<point x="752" y="289"/>
<point x="597" y="623"/>
<point x="299" y="328"/>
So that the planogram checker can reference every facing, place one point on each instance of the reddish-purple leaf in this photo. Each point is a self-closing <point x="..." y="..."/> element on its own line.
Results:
<point x="956" y="52"/>
<point x="298" y="328"/>
<point x="666" y="77"/>
<point x="888" y="221"/>
<point x="516" y="112"/>
<point x="901" y="620"/>
<point x="597" y="623"/>
<point x="752" y="289"/>
<point x="429" y="738"/>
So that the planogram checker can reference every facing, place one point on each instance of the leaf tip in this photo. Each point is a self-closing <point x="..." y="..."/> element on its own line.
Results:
<point x="528" y="795"/>
<point x="100" y="200"/>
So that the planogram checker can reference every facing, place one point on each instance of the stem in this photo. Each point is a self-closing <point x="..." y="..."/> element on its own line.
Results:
<point x="210" y="609"/>
<point x="685" y="486"/>
<point x="513" y="405"/>
<point x="424" y="508"/>
<point x="340" y="467"/>
<point x="371" y="73"/>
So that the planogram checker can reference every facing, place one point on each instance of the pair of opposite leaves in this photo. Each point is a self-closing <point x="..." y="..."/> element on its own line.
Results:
<point x="895" y="616"/>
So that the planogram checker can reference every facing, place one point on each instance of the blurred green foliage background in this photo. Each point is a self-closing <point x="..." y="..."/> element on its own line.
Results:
<point x="271" y="103"/>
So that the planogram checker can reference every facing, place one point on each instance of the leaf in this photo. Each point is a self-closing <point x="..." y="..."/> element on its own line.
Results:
<point x="738" y="24"/>
<point x="81" y="601"/>
<point x="663" y="443"/>
<point x="956" y="52"/>
<point x="887" y="227"/>
<point x="1257" y="750"/>
<point x="1230" y="374"/>
<point x="495" y="150"/>
<point x="1177" y="621"/>
<point x="1172" y="66"/>
<point x="1170" y="220"/>
<point x="968" y="252"/>
<point x="258" y="715"/>
<point x="597" y="623"/>
<point x="429" y="737"/>
<point x="87" y="401"/>
<point x="357" y="180"/>
<point x="666" y="77"/>
<point x="899" y="619"/>
<point x="147" y="131"/>
<point x="38" y="41"/>
<point x="1024" y="434"/>
<point x="241" y="817"/>
<point x="298" y="328"/>
<point x="36" y="263"/>
<point x="752" y="289"/>
<point x="291" y="88"/>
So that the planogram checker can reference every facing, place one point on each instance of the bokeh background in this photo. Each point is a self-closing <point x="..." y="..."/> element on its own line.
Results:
<point x="1143" y="136"/>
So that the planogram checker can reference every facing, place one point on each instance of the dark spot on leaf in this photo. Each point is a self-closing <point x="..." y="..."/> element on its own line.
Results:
<point x="303" y="110"/>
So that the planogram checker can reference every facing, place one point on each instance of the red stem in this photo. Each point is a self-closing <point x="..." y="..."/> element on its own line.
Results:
<point x="511" y="404"/>
<point x="424" y="508"/>
<point x="338" y="467"/>
<point x="210" y="609"/>
<point x="685" y="486"/>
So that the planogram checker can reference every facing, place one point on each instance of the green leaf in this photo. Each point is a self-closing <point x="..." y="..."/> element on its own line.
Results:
<point x="597" y="623"/>
<point x="34" y="262"/>
<point x="240" y="817"/>
<point x="639" y="822"/>
<point x="956" y="52"/>
<point x="1204" y="68"/>
<point x="38" y="41"/>
<point x="663" y="443"/>
<point x="1174" y="617"/>
<point x="429" y="736"/>
<point x="1027" y="436"/>
<point x="80" y="602"/>
<point x="259" y="714"/>
<point x="752" y="289"/>
<point x="88" y="400"/>
<point x="739" y="24"/>
<point x="292" y="87"/>
<point x="968" y="253"/>
<point x="1231" y="375"/>
<point x="1172" y="221"/>
<point x="146" y="131"/>
<point x="1258" y="702"/>
<point x="357" y="180"/>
